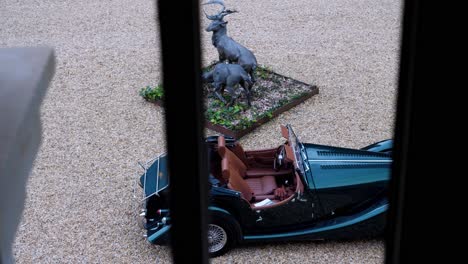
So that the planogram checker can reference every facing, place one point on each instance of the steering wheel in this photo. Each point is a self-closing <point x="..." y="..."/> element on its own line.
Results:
<point x="279" y="158"/>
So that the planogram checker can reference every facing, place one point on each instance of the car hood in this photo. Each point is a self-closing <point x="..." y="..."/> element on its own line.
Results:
<point x="155" y="178"/>
<point x="334" y="167"/>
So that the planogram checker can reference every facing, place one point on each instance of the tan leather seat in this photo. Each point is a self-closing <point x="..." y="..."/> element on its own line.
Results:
<point x="234" y="171"/>
<point x="252" y="171"/>
<point x="240" y="153"/>
<point x="259" y="172"/>
<point x="263" y="187"/>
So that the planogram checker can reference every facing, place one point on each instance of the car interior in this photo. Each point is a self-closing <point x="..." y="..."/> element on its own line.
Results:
<point x="265" y="178"/>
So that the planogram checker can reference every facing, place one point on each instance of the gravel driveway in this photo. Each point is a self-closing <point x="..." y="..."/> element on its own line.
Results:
<point x="96" y="127"/>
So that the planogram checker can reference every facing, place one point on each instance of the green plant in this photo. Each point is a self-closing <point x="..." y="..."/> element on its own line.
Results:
<point x="276" y="80"/>
<point x="263" y="71"/>
<point x="244" y="123"/>
<point x="206" y="69"/>
<point x="297" y="96"/>
<point x="228" y="116"/>
<point x="216" y="103"/>
<point x="268" y="113"/>
<point x="152" y="93"/>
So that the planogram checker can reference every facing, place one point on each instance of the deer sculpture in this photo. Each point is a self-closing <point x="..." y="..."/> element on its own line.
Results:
<point x="229" y="76"/>
<point x="228" y="49"/>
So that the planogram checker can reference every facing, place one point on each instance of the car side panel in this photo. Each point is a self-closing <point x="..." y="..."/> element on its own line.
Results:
<point x="366" y="223"/>
<point x="300" y="211"/>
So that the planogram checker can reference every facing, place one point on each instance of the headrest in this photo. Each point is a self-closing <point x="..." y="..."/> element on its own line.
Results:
<point x="221" y="146"/>
<point x="284" y="132"/>
<point x="221" y="141"/>
<point x="225" y="169"/>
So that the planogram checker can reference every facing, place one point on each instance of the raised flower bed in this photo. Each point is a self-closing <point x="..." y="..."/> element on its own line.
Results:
<point x="271" y="95"/>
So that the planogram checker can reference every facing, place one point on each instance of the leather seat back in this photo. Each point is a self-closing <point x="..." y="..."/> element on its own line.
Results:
<point x="240" y="153"/>
<point x="234" y="162"/>
<point x="237" y="183"/>
<point x="233" y="170"/>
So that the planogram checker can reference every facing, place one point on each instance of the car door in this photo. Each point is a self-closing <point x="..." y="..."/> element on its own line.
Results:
<point x="291" y="214"/>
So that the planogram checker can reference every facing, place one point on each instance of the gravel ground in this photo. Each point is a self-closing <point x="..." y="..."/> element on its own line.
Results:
<point x="96" y="126"/>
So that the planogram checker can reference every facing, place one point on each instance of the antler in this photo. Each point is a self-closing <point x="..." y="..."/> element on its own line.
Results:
<point x="219" y="2"/>
<point x="224" y="12"/>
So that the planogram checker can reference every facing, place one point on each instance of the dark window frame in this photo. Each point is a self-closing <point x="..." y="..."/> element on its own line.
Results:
<point x="181" y="63"/>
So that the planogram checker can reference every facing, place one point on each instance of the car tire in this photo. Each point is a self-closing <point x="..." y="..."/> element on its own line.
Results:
<point x="223" y="233"/>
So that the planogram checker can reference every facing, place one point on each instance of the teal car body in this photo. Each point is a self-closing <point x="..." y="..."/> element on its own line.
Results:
<point x="344" y="195"/>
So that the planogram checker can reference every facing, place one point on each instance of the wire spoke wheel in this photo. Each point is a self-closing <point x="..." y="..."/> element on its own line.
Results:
<point x="217" y="238"/>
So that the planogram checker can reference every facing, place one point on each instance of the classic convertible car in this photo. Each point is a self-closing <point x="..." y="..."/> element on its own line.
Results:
<point x="295" y="191"/>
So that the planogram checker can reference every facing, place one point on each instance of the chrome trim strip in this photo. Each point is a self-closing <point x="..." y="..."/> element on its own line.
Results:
<point x="309" y="231"/>
<point x="157" y="174"/>
<point x="157" y="181"/>
<point x="142" y="200"/>
<point x="214" y="208"/>
<point x="158" y="233"/>
<point x="144" y="182"/>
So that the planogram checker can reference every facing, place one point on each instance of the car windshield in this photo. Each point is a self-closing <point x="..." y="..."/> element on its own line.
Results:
<point x="299" y="153"/>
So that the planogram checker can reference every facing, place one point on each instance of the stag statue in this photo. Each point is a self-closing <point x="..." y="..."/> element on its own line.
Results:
<point x="228" y="76"/>
<point x="228" y="49"/>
